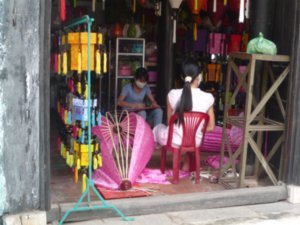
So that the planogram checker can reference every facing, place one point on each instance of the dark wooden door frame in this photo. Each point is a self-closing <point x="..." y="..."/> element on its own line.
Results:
<point x="292" y="156"/>
<point x="44" y="105"/>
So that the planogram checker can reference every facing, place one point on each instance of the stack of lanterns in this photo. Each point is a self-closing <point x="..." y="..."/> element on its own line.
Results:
<point x="72" y="63"/>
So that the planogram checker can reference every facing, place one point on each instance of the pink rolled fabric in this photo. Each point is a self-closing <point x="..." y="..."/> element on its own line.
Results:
<point x="213" y="140"/>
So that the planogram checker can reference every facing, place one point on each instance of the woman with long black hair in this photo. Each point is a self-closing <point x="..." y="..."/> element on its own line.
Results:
<point x="189" y="98"/>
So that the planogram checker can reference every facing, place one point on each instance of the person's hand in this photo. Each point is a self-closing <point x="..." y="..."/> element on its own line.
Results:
<point x="138" y="106"/>
<point x="154" y="105"/>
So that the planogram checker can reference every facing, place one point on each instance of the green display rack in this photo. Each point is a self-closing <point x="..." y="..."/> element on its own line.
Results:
<point x="90" y="183"/>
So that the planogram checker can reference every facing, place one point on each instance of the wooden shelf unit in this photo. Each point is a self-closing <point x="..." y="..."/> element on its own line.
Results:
<point x="254" y="123"/>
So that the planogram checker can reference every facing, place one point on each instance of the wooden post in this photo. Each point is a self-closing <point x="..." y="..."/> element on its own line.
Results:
<point x="291" y="173"/>
<point x="165" y="55"/>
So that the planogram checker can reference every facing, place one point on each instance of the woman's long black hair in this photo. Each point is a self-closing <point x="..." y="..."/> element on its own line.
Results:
<point x="192" y="69"/>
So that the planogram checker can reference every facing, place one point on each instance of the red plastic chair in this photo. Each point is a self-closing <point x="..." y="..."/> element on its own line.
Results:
<point x="192" y="121"/>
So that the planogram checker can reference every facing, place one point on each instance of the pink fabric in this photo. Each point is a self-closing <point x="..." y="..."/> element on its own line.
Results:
<point x="142" y="145"/>
<point x="155" y="176"/>
<point x="213" y="140"/>
<point x="216" y="43"/>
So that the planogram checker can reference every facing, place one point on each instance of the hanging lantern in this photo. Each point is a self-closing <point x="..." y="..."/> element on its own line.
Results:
<point x="175" y="4"/>
<point x="62" y="10"/>
<point x="117" y="30"/>
<point x="195" y="7"/>
<point x="142" y="2"/>
<point x="79" y="51"/>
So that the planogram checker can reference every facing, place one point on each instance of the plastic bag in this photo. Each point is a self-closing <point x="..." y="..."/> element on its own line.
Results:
<point x="260" y="45"/>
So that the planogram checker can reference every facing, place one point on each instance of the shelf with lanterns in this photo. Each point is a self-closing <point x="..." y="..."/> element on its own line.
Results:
<point x="72" y="66"/>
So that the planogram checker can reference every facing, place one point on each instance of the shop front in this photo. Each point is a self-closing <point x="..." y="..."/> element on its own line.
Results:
<point x="70" y="65"/>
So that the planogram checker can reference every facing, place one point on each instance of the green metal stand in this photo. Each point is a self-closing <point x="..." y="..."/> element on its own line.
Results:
<point x="90" y="182"/>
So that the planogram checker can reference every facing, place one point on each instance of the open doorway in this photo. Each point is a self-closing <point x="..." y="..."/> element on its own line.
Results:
<point x="64" y="189"/>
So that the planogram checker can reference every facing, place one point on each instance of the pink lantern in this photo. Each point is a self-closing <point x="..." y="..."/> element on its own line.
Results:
<point x="127" y="144"/>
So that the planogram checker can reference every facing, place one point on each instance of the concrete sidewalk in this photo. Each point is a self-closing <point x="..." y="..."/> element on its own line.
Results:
<point x="263" y="214"/>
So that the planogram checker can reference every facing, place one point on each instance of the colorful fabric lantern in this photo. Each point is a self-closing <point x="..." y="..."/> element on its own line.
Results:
<point x="62" y="10"/>
<point x="217" y="43"/>
<point x="79" y="49"/>
<point x="195" y="7"/>
<point x="235" y="43"/>
<point x="217" y="10"/>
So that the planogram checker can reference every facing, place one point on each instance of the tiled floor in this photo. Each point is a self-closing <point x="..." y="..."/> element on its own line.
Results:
<point x="65" y="190"/>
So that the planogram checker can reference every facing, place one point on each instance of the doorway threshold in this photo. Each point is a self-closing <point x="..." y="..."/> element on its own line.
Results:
<point x="178" y="202"/>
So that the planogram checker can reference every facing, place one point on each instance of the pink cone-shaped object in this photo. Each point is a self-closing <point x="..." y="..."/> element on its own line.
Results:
<point x="127" y="143"/>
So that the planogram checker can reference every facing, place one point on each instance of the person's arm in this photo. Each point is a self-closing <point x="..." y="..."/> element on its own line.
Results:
<point x="152" y="100"/>
<point x="123" y="103"/>
<point x="169" y="110"/>
<point x="211" y="122"/>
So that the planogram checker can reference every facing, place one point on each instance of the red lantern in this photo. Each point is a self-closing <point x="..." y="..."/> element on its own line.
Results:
<point x="117" y="31"/>
<point x="62" y="10"/>
<point x="142" y="2"/>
